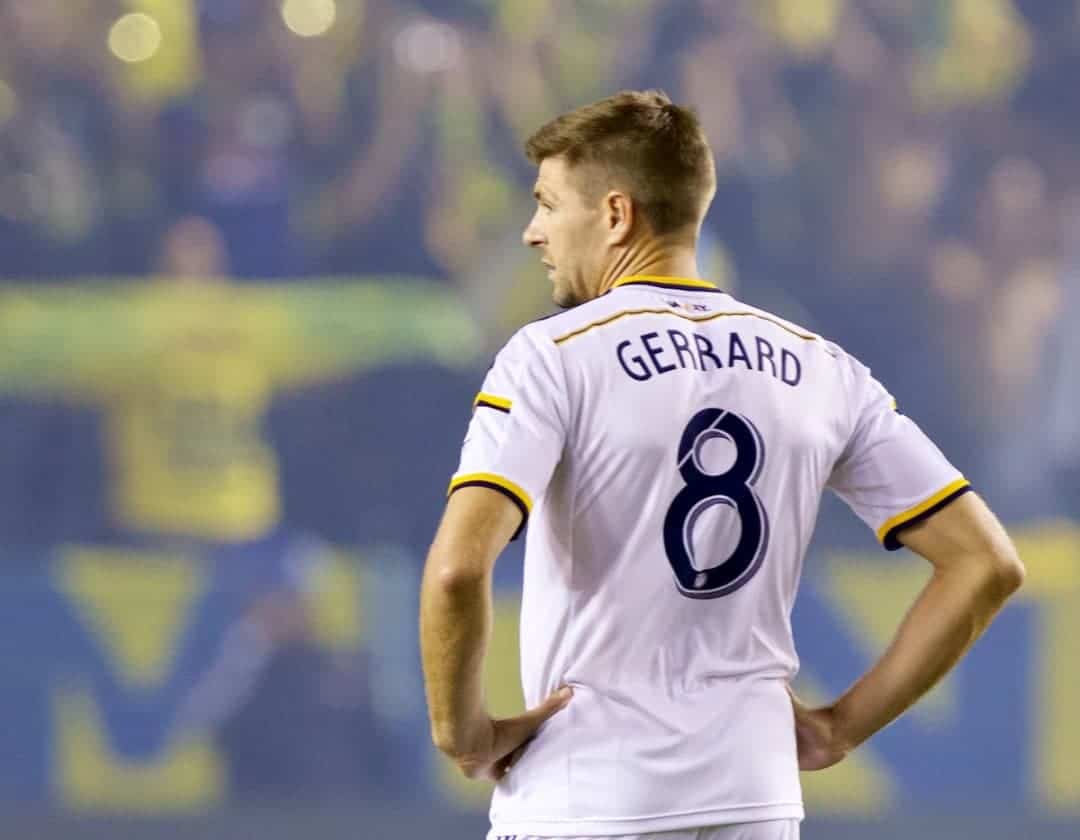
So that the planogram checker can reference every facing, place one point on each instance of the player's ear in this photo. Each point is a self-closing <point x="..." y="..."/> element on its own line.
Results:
<point x="619" y="216"/>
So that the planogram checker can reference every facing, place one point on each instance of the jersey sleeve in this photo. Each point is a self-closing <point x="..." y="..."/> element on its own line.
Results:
<point x="890" y="473"/>
<point x="518" y="427"/>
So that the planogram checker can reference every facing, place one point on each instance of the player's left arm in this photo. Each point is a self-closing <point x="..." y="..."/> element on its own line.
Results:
<point x="901" y="484"/>
<point x="455" y="626"/>
<point x="976" y="569"/>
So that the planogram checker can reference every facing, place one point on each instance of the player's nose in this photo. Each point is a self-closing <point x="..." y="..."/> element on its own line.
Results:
<point x="531" y="236"/>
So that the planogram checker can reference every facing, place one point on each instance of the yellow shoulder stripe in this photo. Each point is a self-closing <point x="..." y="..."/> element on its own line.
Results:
<point x="492" y="400"/>
<point x="696" y="318"/>
<point x="491" y="479"/>
<point x="922" y="507"/>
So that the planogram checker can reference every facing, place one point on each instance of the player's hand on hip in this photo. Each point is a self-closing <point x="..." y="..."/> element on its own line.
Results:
<point x="817" y="736"/>
<point x="500" y="743"/>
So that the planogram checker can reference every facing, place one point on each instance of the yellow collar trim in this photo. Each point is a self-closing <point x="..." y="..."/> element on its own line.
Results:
<point x="683" y="282"/>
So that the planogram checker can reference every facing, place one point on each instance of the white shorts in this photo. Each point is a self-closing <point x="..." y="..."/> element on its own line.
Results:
<point x="765" y="830"/>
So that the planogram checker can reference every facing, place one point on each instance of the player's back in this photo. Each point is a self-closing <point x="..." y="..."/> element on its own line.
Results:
<point x="678" y="444"/>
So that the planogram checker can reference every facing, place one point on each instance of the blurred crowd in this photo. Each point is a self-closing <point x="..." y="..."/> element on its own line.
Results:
<point x="897" y="174"/>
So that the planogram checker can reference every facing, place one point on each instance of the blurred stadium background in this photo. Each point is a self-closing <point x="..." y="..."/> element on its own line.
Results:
<point x="255" y="258"/>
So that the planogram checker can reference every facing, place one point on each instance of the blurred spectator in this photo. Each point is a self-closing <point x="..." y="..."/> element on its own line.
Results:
<point x="286" y="712"/>
<point x="230" y="150"/>
<point x="193" y="248"/>
<point x="375" y="178"/>
<point x="59" y="143"/>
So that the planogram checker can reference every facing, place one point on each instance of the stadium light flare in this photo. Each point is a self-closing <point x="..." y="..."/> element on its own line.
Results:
<point x="135" y="37"/>
<point x="309" y="18"/>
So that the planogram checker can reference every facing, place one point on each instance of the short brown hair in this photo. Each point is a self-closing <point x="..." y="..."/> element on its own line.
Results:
<point x="654" y="149"/>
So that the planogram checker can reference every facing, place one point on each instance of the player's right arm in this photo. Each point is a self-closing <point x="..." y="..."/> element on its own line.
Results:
<point x="515" y="440"/>
<point x="975" y="569"/>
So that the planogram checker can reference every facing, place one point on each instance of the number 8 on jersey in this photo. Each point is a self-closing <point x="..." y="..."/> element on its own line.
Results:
<point x="732" y="488"/>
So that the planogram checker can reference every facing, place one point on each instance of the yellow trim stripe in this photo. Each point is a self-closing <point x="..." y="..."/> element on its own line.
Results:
<point x="492" y="478"/>
<point x="491" y="399"/>
<point x="686" y="282"/>
<point x="923" y="506"/>
<point x="702" y="318"/>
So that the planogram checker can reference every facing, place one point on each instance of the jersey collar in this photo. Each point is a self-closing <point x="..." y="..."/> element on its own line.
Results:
<point x="665" y="282"/>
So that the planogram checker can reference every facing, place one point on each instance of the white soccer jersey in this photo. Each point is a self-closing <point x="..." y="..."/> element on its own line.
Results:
<point x="670" y="446"/>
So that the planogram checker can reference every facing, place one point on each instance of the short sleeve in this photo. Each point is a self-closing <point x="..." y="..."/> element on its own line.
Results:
<point x="890" y="473"/>
<point x="518" y="427"/>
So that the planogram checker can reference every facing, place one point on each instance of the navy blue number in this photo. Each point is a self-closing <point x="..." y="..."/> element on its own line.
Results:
<point x="703" y="490"/>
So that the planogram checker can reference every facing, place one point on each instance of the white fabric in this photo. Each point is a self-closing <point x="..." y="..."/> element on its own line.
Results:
<point x="662" y="558"/>
<point x="769" y="830"/>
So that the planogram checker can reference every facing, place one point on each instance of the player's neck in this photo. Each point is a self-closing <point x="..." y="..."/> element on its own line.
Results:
<point x="651" y="260"/>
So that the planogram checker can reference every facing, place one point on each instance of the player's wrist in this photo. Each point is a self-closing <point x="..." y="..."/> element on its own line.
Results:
<point x="846" y="731"/>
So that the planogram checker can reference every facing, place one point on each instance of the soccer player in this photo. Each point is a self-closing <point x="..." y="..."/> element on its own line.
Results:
<point x="669" y="446"/>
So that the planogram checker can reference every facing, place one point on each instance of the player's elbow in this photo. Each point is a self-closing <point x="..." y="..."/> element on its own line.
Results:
<point x="1003" y="572"/>
<point x="453" y="577"/>
<point x="1009" y="571"/>
<point x="448" y="744"/>
<point x="443" y="739"/>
